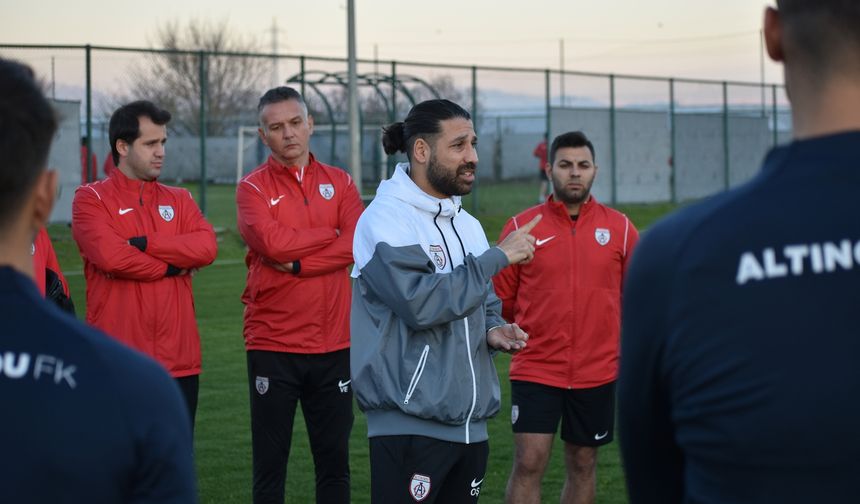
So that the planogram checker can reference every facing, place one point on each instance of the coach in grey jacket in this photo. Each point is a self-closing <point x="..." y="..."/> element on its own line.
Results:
<point x="424" y="316"/>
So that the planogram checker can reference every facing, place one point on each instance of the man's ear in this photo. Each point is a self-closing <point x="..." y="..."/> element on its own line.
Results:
<point x="311" y="123"/>
<point x="122" y="147"/>
<point x="262" y="136"/>
<point x="421" y="151"/>
<point x="43" y="196"/>
<point x="773" y="34"/>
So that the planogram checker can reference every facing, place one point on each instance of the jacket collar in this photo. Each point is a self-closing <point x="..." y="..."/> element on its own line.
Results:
<point x="126" y="184"/>
<point x="402" y="187"/>
<point x="312" y="163"/>
<point x="559" y="208"/>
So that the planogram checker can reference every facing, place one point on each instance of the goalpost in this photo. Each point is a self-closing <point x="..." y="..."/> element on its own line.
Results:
<point x="244" y="144"/>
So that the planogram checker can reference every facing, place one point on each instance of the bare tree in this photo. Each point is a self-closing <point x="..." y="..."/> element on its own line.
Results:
<point x="172" y="80"/>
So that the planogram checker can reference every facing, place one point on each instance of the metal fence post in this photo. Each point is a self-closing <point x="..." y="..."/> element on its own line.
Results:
<point x="393" y="116"/>
<point x="548" y="99"/>
<point x="475" y="123"/>
<point x="613" y="150"/>
<point x="88" y="175"/>
<point x="201" y="55"/>
<point x="302" y="72"/>
<point x="726" y="161"/>
<point x="775" y="123"/>
<point x="673" y="170"/>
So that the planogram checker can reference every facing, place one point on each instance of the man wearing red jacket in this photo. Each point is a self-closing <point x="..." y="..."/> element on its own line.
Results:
<point x="298" y="217"/>
<point x="141" y="241"/>
<point x="568" y="299"/>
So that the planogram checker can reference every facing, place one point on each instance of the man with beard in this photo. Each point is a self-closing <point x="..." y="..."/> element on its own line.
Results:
<point x="568" y="300"/>
<point x="424" y="316"/>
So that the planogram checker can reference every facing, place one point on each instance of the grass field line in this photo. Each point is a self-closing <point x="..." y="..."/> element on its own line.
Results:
<point x="217" y="262"/>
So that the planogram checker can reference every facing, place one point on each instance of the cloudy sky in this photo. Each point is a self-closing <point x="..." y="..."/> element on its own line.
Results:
<point x="681" y="38"/>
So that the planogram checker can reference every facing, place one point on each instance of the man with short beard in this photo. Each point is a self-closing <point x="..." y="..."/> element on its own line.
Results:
<point x="568" y="299"/>
<point x="424" y="317"/>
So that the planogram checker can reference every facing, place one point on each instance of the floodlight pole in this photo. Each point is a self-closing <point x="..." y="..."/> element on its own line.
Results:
<point x="354" y="132"/>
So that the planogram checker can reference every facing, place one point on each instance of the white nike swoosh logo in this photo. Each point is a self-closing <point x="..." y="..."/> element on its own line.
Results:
<point x="477" y="483"/>
<point x="341" y="383"/>
<point x="544" y="240"/>
<point x="598" y="437"/>
<point x="123" y="211"/>
<point x="274" y="201"/>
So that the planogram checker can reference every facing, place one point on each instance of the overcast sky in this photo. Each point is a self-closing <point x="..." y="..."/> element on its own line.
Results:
<point x="681" y="38"/>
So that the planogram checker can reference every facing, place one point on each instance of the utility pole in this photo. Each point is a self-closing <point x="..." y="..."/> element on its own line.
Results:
<point x="354" y="132"/>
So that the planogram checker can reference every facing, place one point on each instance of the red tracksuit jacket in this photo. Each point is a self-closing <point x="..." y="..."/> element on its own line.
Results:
<point x="128" y="294"/>
<point x="284" y="220"/>
<point x="568" y="299"/>
<point x="45" y="258"/>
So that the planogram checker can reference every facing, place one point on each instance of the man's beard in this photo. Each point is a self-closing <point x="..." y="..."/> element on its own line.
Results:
<point x="567" y="197"/>
<point x="445" y="182"/>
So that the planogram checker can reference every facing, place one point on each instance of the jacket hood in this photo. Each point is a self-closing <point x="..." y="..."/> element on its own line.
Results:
<point x="401" y="186"/>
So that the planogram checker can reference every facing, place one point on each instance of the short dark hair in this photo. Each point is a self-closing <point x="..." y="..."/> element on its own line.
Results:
<point x="280" y="94"/>
<point x="571" y="139"/>
<point x="125" y="122"/>
<point x="27" y="126"/>
<point x="825" y="34"/>
<point x="423" y="121"/>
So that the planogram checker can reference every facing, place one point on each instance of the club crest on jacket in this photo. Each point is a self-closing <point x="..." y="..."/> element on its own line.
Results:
<point x="327" y="191"/>
<point x="602" y="236"/>
<point x="438" y="256"/>
<point x="166" y="212"/>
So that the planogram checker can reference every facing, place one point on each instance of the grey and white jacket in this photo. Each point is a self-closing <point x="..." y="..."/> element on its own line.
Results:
<point x="422" y="304"/>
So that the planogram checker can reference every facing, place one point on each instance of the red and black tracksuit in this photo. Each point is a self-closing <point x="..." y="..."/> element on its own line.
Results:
<point x="138" y="240"/>
<point x="297" y="322"/>
<point x="568" y="299"/>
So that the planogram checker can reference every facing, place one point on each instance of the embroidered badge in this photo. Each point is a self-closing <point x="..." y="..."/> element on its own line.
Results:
<point x="438" y="256"/>
<point x="419" y="487"/>
<point x="327" y="191"/>
<point x="602" y="236"/>
<point x="262" y="385"/>
<point x="166" y="212"/>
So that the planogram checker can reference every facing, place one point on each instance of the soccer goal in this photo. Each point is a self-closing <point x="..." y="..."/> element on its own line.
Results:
<point x="247" y="141"/>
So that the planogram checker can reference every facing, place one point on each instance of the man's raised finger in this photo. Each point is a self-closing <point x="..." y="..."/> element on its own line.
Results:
<point x="531" y="224"/>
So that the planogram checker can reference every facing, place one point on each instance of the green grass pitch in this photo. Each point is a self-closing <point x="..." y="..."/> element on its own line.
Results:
<point x="223" y="436"/>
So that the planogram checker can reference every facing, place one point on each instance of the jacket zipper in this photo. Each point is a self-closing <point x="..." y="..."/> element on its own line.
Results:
<point x="419" y="370"/>
<point x="300" y="178"/>
<point x="474" y="385"/>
